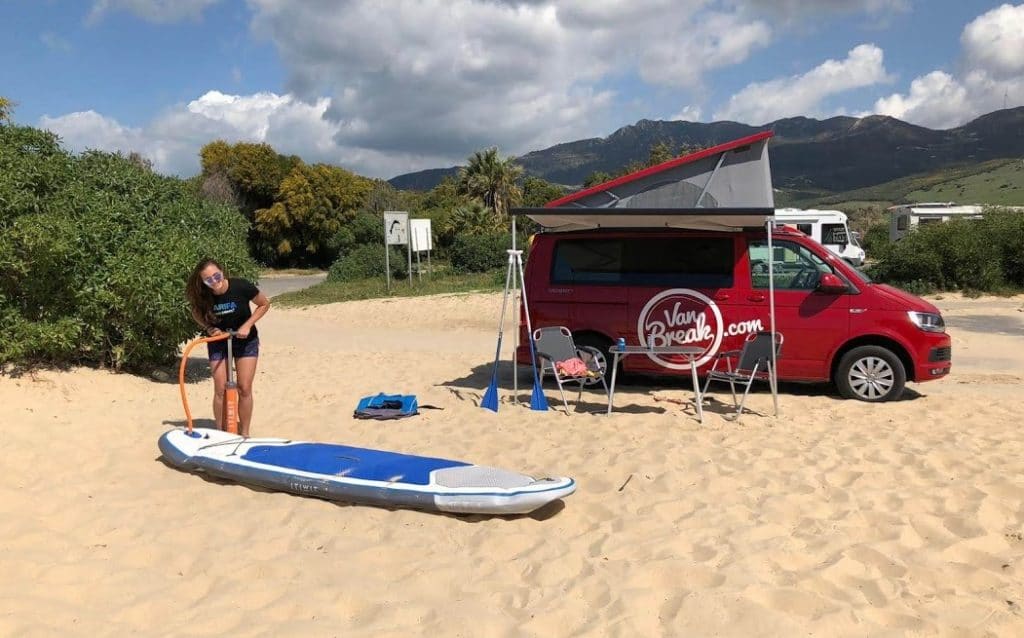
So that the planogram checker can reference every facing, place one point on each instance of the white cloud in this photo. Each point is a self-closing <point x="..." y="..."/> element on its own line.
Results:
<point x="939" y="100"/>
<point x="159" y="11"/>
<point x="54" y="42"/>
<point x="412" y="84"/>
<point x="173" y="139"/>
<point x="935" y="100"/>
<point x="722" y="40"/>
<point x="993" y="76"/>
<point x="689" y="113"/>
<point x="447" y="77"/>
<point x="803" y="7"/>
<point x="762" y="102"/>
<point x="994" y="42"/>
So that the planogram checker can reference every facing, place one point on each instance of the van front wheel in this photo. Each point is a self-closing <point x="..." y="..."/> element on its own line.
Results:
<point x="871" y="373"/>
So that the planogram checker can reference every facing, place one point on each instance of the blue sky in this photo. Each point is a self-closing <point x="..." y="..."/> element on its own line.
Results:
<point x="389" y="87"/>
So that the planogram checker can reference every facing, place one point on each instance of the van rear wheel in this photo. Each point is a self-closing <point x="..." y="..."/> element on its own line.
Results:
<point x="871" y="373"/>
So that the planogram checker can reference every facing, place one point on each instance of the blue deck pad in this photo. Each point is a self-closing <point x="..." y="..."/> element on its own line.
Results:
<point x="351" y="462"/>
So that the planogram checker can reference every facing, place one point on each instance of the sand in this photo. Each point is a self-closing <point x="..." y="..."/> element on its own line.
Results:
<point x="838" y="518"/>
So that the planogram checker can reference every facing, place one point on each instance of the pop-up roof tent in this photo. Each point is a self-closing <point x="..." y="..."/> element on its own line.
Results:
<point x="724" y="188"/>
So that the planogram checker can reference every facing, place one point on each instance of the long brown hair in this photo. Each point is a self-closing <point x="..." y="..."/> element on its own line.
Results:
<point x="199" y="295"/>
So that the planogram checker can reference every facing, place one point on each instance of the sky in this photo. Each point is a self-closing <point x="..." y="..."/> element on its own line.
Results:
<point x="385" y="87"/>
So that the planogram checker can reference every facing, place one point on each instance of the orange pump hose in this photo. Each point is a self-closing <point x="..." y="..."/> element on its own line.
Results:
<point x="181" y="371"/>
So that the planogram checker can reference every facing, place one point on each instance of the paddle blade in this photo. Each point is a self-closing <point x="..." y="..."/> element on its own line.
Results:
<point x="490" y="398"/>
<point x="538" y="401"/>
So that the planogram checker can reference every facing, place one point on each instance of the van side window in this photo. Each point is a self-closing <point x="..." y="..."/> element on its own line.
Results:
<point x="595" y="261"/>
<point x="807" y="229"/>
<point x="698" y="262"/>
<point x="795" y="267"/>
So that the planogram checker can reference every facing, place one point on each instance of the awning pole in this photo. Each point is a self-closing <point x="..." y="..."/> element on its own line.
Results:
<point x="515" y="331"/>
<point x="774" y="374"/>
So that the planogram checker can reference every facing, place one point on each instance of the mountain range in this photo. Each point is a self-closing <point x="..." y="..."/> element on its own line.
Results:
<point x="807" y="155"/>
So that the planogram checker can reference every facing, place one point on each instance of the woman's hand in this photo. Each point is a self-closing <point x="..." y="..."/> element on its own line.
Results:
<point x="212" y="331"/>
<point x="243" y="331"/>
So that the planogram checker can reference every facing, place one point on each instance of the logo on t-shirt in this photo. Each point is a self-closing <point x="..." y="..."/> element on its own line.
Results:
<point x="225" y="308"/>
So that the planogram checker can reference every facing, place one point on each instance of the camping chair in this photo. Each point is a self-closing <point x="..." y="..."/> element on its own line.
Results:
<point x="753" y="362"/>
<point x="555" y="345"/>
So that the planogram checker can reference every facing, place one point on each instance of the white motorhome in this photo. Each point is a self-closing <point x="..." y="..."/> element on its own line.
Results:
<point x="827" y="227"/>
<point x="906" y="217"/>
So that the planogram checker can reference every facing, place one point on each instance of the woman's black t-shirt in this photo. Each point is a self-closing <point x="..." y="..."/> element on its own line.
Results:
<point x="232" y="308"/>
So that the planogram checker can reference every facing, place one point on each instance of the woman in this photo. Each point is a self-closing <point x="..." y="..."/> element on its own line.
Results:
<point x="219" y="304"/>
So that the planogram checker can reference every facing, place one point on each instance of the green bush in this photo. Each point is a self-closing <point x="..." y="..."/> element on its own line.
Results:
<point x="875" y="240"/>
<point x="367" y="261"/>
<point x="479" y="253"/>
<point x="972" y="255"/>
<point x="1005" y="230"/>
<point x="95" y="251"/>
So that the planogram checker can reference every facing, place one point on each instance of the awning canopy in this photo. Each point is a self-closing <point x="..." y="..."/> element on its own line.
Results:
<point x="726" y="187"/>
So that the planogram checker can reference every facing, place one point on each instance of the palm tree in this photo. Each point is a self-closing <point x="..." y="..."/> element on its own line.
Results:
<point x="492" y="180"/>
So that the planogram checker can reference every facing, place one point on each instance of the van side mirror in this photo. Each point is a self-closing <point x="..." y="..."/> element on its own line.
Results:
<point x="831" y="284"/>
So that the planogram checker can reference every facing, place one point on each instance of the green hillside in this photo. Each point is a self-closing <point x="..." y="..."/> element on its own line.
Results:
<point x="1002" y="184"/>
<point x="996" y="182"/>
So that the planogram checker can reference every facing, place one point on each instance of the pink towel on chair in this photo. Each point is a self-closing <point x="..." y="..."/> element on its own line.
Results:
<point x="572" y="368"/>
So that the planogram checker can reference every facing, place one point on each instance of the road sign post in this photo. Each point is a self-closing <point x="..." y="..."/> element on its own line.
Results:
<point x="396" y="233"/>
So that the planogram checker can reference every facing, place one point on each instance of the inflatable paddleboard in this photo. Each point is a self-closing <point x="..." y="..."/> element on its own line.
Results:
<point x="359" y="475"/>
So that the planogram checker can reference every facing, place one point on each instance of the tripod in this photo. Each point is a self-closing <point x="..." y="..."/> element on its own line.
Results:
<point x="513" y="278"/>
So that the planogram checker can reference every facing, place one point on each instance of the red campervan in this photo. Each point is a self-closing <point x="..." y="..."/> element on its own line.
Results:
<point x="711" y="290"/>
<point x="676" y="286"/>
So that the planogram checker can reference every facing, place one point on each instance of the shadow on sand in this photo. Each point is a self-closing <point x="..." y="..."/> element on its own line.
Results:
<point x="472" y="386"/>
<point x="197" y="369"/>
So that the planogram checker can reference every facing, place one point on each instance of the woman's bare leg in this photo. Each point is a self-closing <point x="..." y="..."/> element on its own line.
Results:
<point x="245" y="372"/>
<point x="220" y="379"/>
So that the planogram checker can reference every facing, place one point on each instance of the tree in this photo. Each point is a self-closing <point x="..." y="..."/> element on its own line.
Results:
<point x="313" y="205"/>
<point x="491" y="179"/>
<point x="141" y="161"/>
<point x="659" y="154"/>
<point x="255" y="171"/>
<point x="687" y="148"/>
<point x="444" y="196"/>
<point x="216" y="157"/>
<point x="474" y="219"/>
<point x="537" y="192"/>
<point x="217" y="188"/>
<point x="6" y="110"/>
<point x="382" y="197"/>
<point x="597" y="177"/>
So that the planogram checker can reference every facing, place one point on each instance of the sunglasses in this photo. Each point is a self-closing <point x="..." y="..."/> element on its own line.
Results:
<point x="213" y="279"/>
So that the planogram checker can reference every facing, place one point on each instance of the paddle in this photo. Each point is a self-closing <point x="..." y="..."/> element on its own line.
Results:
<point x="538" y="401"/>
<point x="490" y="398"/>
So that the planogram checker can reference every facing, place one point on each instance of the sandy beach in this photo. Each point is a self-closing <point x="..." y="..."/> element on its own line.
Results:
<point x="838" y="518"/>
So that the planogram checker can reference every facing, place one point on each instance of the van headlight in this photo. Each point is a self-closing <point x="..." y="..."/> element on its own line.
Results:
<point x="927" y="321"/>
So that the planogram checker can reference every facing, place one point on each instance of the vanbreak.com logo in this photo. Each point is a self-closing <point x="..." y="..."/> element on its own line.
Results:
<point x="681" y="317"/>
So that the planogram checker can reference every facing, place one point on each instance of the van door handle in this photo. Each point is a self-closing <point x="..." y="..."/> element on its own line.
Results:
<point x="757" y="296"/>
<point x="722" y="296"/>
